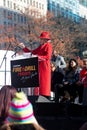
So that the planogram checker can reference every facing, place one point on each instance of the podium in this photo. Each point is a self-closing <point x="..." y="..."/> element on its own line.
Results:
<point x="24" y="73"/>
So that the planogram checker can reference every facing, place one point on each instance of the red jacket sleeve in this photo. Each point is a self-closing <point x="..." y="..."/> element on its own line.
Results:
<point x="26" y="50"/>
<point x="43" y="54"/>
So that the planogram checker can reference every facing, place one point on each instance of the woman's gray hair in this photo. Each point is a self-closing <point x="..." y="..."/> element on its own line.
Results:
<point x="84" y="54"/>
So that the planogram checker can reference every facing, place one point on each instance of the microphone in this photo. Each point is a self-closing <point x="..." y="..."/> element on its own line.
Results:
<point x="16" y="50"/>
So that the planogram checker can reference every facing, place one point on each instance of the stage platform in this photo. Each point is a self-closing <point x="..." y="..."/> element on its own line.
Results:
<point x="56" y="116"/>
<point x="59" y="116"/>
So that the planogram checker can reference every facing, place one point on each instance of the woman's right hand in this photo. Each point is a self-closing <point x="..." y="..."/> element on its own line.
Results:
<point x="21" y="45"/>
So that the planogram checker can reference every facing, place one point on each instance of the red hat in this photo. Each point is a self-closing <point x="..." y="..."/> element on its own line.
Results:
<point x="45" y="35"/>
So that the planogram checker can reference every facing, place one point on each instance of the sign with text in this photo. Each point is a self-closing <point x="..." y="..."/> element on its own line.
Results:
<point x="24" y="73"/>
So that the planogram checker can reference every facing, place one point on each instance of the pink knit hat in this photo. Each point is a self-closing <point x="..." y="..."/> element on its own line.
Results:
<point x="21" y="110"/>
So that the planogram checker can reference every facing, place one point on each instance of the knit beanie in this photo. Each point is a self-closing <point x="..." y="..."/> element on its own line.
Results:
<point x="21" y="110"/>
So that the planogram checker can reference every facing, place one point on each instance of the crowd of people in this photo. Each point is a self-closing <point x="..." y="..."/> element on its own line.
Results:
<point x="69" y="81"/>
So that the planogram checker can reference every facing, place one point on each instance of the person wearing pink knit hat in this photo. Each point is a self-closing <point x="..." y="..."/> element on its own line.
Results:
<point x="21" y="110"/>
<point x="21" y="115"/>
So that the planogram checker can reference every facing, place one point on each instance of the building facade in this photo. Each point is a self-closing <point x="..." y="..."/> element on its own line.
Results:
<point x="71" y="9"/>
<point x="82" y="11"/>
<point x="83" y="2"/>
<point x="11" y="11"/>
<point x="13" y="14"/>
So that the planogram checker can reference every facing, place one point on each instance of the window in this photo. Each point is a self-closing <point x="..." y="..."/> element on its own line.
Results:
<point x="4" y="12"/>
<point x="5" y="23"/>
<point x="34" y="3"/>
<point x="53" y="4"/>
<point x="18" y="18"/>
<point x="24" y="19"/>
<point x="57" y="5"/>
<point x="21" y="19"/>
<point x="4" y="2"/>
<point x="37" y="4"/>
<point x="27" y="1"/>
<point x="14" y="17"/>
<point x="30" y="2"/>
<point x="40" y="5"/>
<point x="15" y="25"/>
<point x="53" y="7"/>
<point x="8" y="4"/>
<point x="9" y="15"/>
<point x="14" y="6"/>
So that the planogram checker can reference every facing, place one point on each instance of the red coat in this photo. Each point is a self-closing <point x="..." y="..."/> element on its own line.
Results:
<point x="44" y="53"/>
<point x="83" y="77"/>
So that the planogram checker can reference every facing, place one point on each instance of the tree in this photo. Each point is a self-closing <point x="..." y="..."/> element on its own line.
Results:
<point x="65" y="34"/>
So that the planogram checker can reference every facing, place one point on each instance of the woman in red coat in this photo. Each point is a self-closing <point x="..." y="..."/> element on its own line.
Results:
<point x="44" y="52"/>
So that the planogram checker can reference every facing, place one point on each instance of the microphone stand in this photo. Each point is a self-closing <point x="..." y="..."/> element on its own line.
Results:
<point x="5" y="59"/>
<point x="14" y="54"/>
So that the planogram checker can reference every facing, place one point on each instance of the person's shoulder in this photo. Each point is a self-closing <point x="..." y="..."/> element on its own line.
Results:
<point x="60" y="57"/>
<point x="47" y="44"/>
<point x="83" y="71"/>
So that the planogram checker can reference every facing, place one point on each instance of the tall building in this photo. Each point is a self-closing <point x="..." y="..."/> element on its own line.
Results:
<point x="82" y="11"/>
<point x="38" y="8"/>
<point x="83" y="2"/>
<point x="10" y="10"/>
<point x="71" y="9"/>
<point x="66" y="8"/>
<point x="83" y="8"/>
